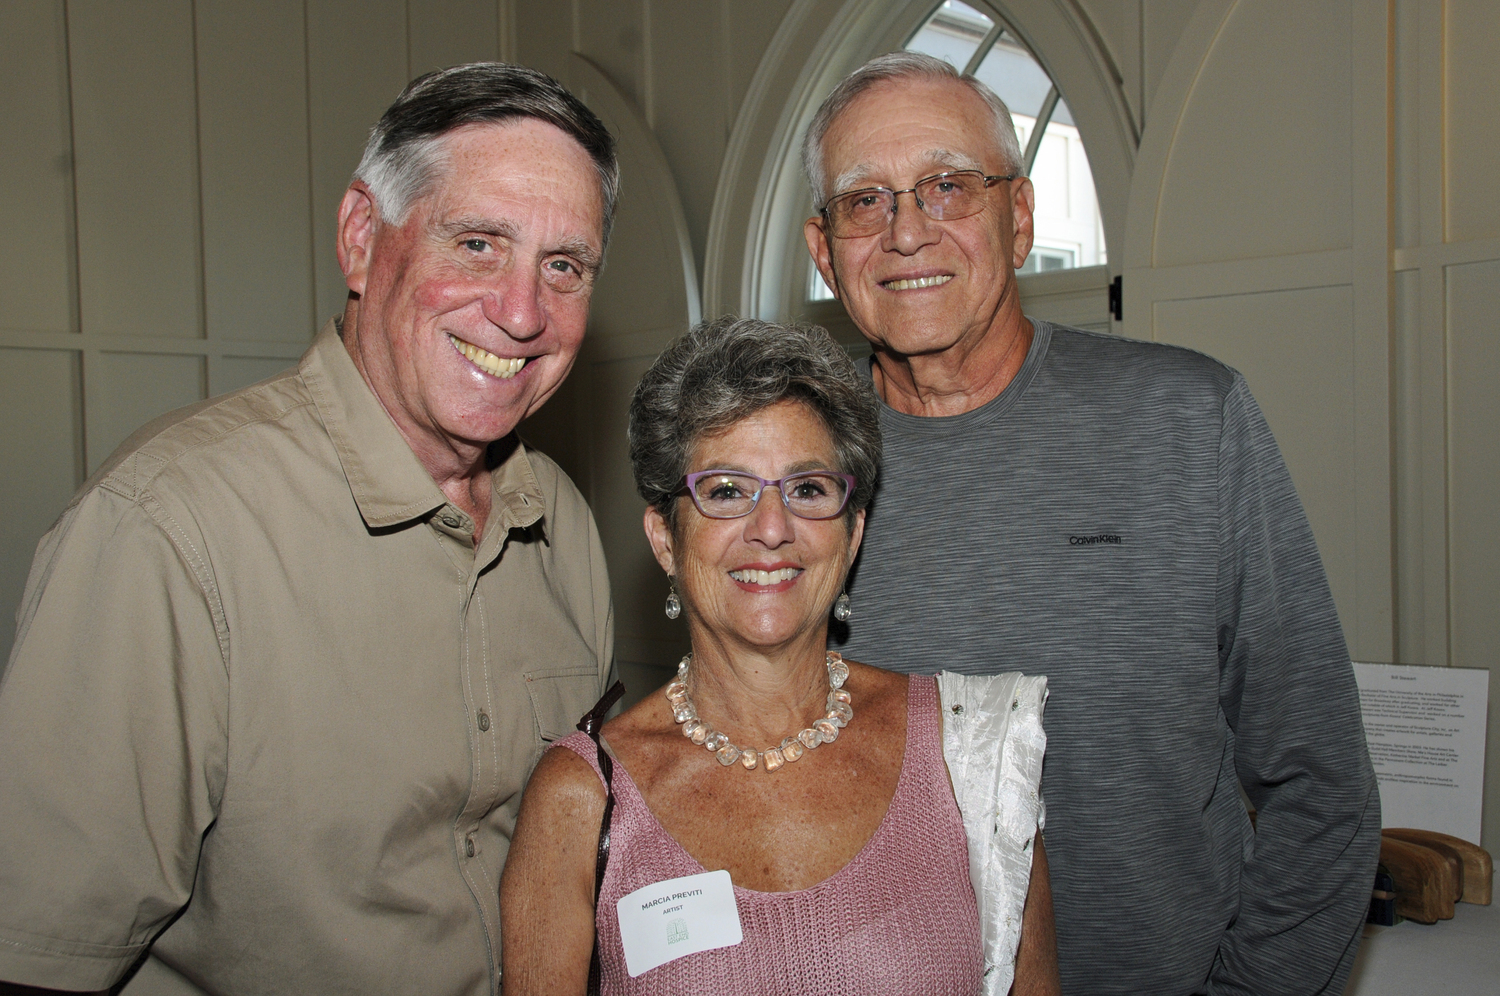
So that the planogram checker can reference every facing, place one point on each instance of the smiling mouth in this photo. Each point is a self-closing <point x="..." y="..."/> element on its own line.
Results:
<point x="765" y="577"/>
<point x="487" y="361"/>
<point x="916" y="282"/>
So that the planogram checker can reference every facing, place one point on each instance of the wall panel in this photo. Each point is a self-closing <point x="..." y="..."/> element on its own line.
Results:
<point x="252" y="106"/>
<point x="42" y="449"/>
<point x="445" y="33"/>
<point x="234" y="372"/>
<point x="36" y="177"/>
<point x="134" y="121"/>
<point x="356" y="53"/>
<point x="690" y="95"/>
<point x="126" y="390"/>
<point x="1296" y="350"/>
<point x="1474" y="512"/>
<point x="1243" y="182"/>
<point x="1472" y="141"/>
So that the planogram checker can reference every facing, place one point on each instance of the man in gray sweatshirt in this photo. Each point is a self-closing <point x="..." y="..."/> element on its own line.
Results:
<point x="1116" y="516"/>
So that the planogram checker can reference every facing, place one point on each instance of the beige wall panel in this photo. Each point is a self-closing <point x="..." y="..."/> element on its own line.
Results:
<point x="36" y="177"/>
<point x="1296" y="350"/>
<point x="451" y="32"/>
<point x="1473" y="91"/>
<point x="127" y="390"/>
<point x="1162" y="23"/>
<point x="612" y="35"/>
<point x="1261" y="162"/>
<point x="640" y="586"/>
<point x="748" y="29"/>
<point x="134" y="120"/>
<point x="692" y="121"/>
<point x="643" y="287"/>
<point x="1474" y="482"/>
<point x="252" y="113"/>
<point x="356" y="56"/>
<point x="544" y="37"/>
<point x="230" y="373"/>
<point x="42" y="449"/>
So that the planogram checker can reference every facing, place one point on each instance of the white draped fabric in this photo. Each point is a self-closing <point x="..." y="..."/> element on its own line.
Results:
<point x="993" y="742"/>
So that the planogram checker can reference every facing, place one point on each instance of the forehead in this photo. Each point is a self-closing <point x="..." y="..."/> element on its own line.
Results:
<point x="785" y="433"/>
<point x="903" y="129"/>
<point x="518" y="163"/>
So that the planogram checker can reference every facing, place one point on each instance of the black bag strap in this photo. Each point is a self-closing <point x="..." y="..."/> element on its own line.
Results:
<point x="591" y="723"/>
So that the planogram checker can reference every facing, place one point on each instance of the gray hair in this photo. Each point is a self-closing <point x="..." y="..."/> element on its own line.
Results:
<point x="728" y="369"/>
<point x="406" y="151"/>
<point x="899" y="66"/>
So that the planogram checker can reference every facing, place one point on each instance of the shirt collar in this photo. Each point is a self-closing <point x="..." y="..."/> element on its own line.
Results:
<point x="388" y="482"/>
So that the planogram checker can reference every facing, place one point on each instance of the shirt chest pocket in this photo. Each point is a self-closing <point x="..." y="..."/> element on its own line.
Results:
<point x="559" y="698"/>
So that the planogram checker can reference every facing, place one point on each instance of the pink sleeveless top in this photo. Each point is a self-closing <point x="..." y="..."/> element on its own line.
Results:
<point x="899" y="918"/>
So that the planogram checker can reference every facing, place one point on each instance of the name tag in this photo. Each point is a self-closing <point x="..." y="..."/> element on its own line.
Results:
<point x="666" y="920"/>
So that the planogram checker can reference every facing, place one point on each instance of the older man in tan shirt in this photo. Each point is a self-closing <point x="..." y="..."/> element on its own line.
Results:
<point x="284" y="664"/>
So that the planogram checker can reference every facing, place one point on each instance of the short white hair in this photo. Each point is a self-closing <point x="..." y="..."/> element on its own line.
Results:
<point x="891" y="67"/>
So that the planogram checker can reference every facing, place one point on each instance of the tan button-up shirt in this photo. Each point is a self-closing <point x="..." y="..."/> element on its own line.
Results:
<point x="263" y="678"/>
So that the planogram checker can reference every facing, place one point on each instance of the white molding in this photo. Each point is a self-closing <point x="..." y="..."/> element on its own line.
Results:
<point x="1444" y="254"/>
<point x="1224" y="278"/>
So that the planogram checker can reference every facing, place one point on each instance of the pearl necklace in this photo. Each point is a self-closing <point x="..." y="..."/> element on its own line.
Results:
<point x="840" y="710"/>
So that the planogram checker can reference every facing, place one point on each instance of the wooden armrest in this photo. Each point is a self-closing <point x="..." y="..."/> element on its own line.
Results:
<point x="1478" y="868"/>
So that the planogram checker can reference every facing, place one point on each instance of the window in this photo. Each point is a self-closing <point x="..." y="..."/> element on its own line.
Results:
<point x="1069" y="231"/>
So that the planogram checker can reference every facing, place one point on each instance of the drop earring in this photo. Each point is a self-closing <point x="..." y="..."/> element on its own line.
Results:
<point x="842" y="611"/>
<point x="674" y="604"/>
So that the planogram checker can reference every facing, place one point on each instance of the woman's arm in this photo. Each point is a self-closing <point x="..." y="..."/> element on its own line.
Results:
<point x="1036" y="957"/>
<point x="547" y="889"/>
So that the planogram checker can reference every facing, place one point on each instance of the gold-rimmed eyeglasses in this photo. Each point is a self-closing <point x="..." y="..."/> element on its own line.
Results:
<point x="942" y="197"/>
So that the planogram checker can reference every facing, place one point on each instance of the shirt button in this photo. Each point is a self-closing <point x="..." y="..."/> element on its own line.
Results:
<point x="469" y="846"/>
<point x="484" y="722"/>
<point x="450" y="520"/>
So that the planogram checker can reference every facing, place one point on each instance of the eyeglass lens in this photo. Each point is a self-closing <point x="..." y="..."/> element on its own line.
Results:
<point x="944" y="197"/>
<point x="727" y="495"/>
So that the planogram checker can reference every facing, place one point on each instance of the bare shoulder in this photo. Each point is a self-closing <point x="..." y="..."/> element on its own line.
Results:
<point x="875" y="685"/>
<point x="564" y="783"/>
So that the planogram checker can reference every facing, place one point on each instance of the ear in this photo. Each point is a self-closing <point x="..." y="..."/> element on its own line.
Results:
<point x="356" y="235"/>
<point x="821" y="250"/>
<point x="659" y="535"/>
<point x="1023" y="218"/>
<point x="856" y="535"/>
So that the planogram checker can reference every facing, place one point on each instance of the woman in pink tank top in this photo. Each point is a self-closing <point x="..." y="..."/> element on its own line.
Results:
<point x="778" y="820"/>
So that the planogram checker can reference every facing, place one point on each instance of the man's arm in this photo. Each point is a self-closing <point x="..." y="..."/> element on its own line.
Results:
<point x="1287" y="690"/>
<point x="112" y="746"/>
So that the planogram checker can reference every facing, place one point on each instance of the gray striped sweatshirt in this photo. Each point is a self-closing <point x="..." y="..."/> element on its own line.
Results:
<point x="1120" y="520"/>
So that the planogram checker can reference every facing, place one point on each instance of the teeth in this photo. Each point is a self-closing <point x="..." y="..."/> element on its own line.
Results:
<point x="766" y="577"/>
<point x="487" y="361"/>
<point x="919" y="282"/>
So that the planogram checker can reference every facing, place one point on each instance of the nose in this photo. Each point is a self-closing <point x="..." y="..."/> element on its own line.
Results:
<point x="770" y="523"/>
<point x="910" y="227"/>
<point x="513" y="302"/>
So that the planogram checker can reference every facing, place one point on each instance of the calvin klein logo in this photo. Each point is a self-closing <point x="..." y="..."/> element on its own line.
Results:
<point x="1098" y="539"/>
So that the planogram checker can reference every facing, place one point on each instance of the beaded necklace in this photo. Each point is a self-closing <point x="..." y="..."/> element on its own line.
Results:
<point x="839" y="706"/>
